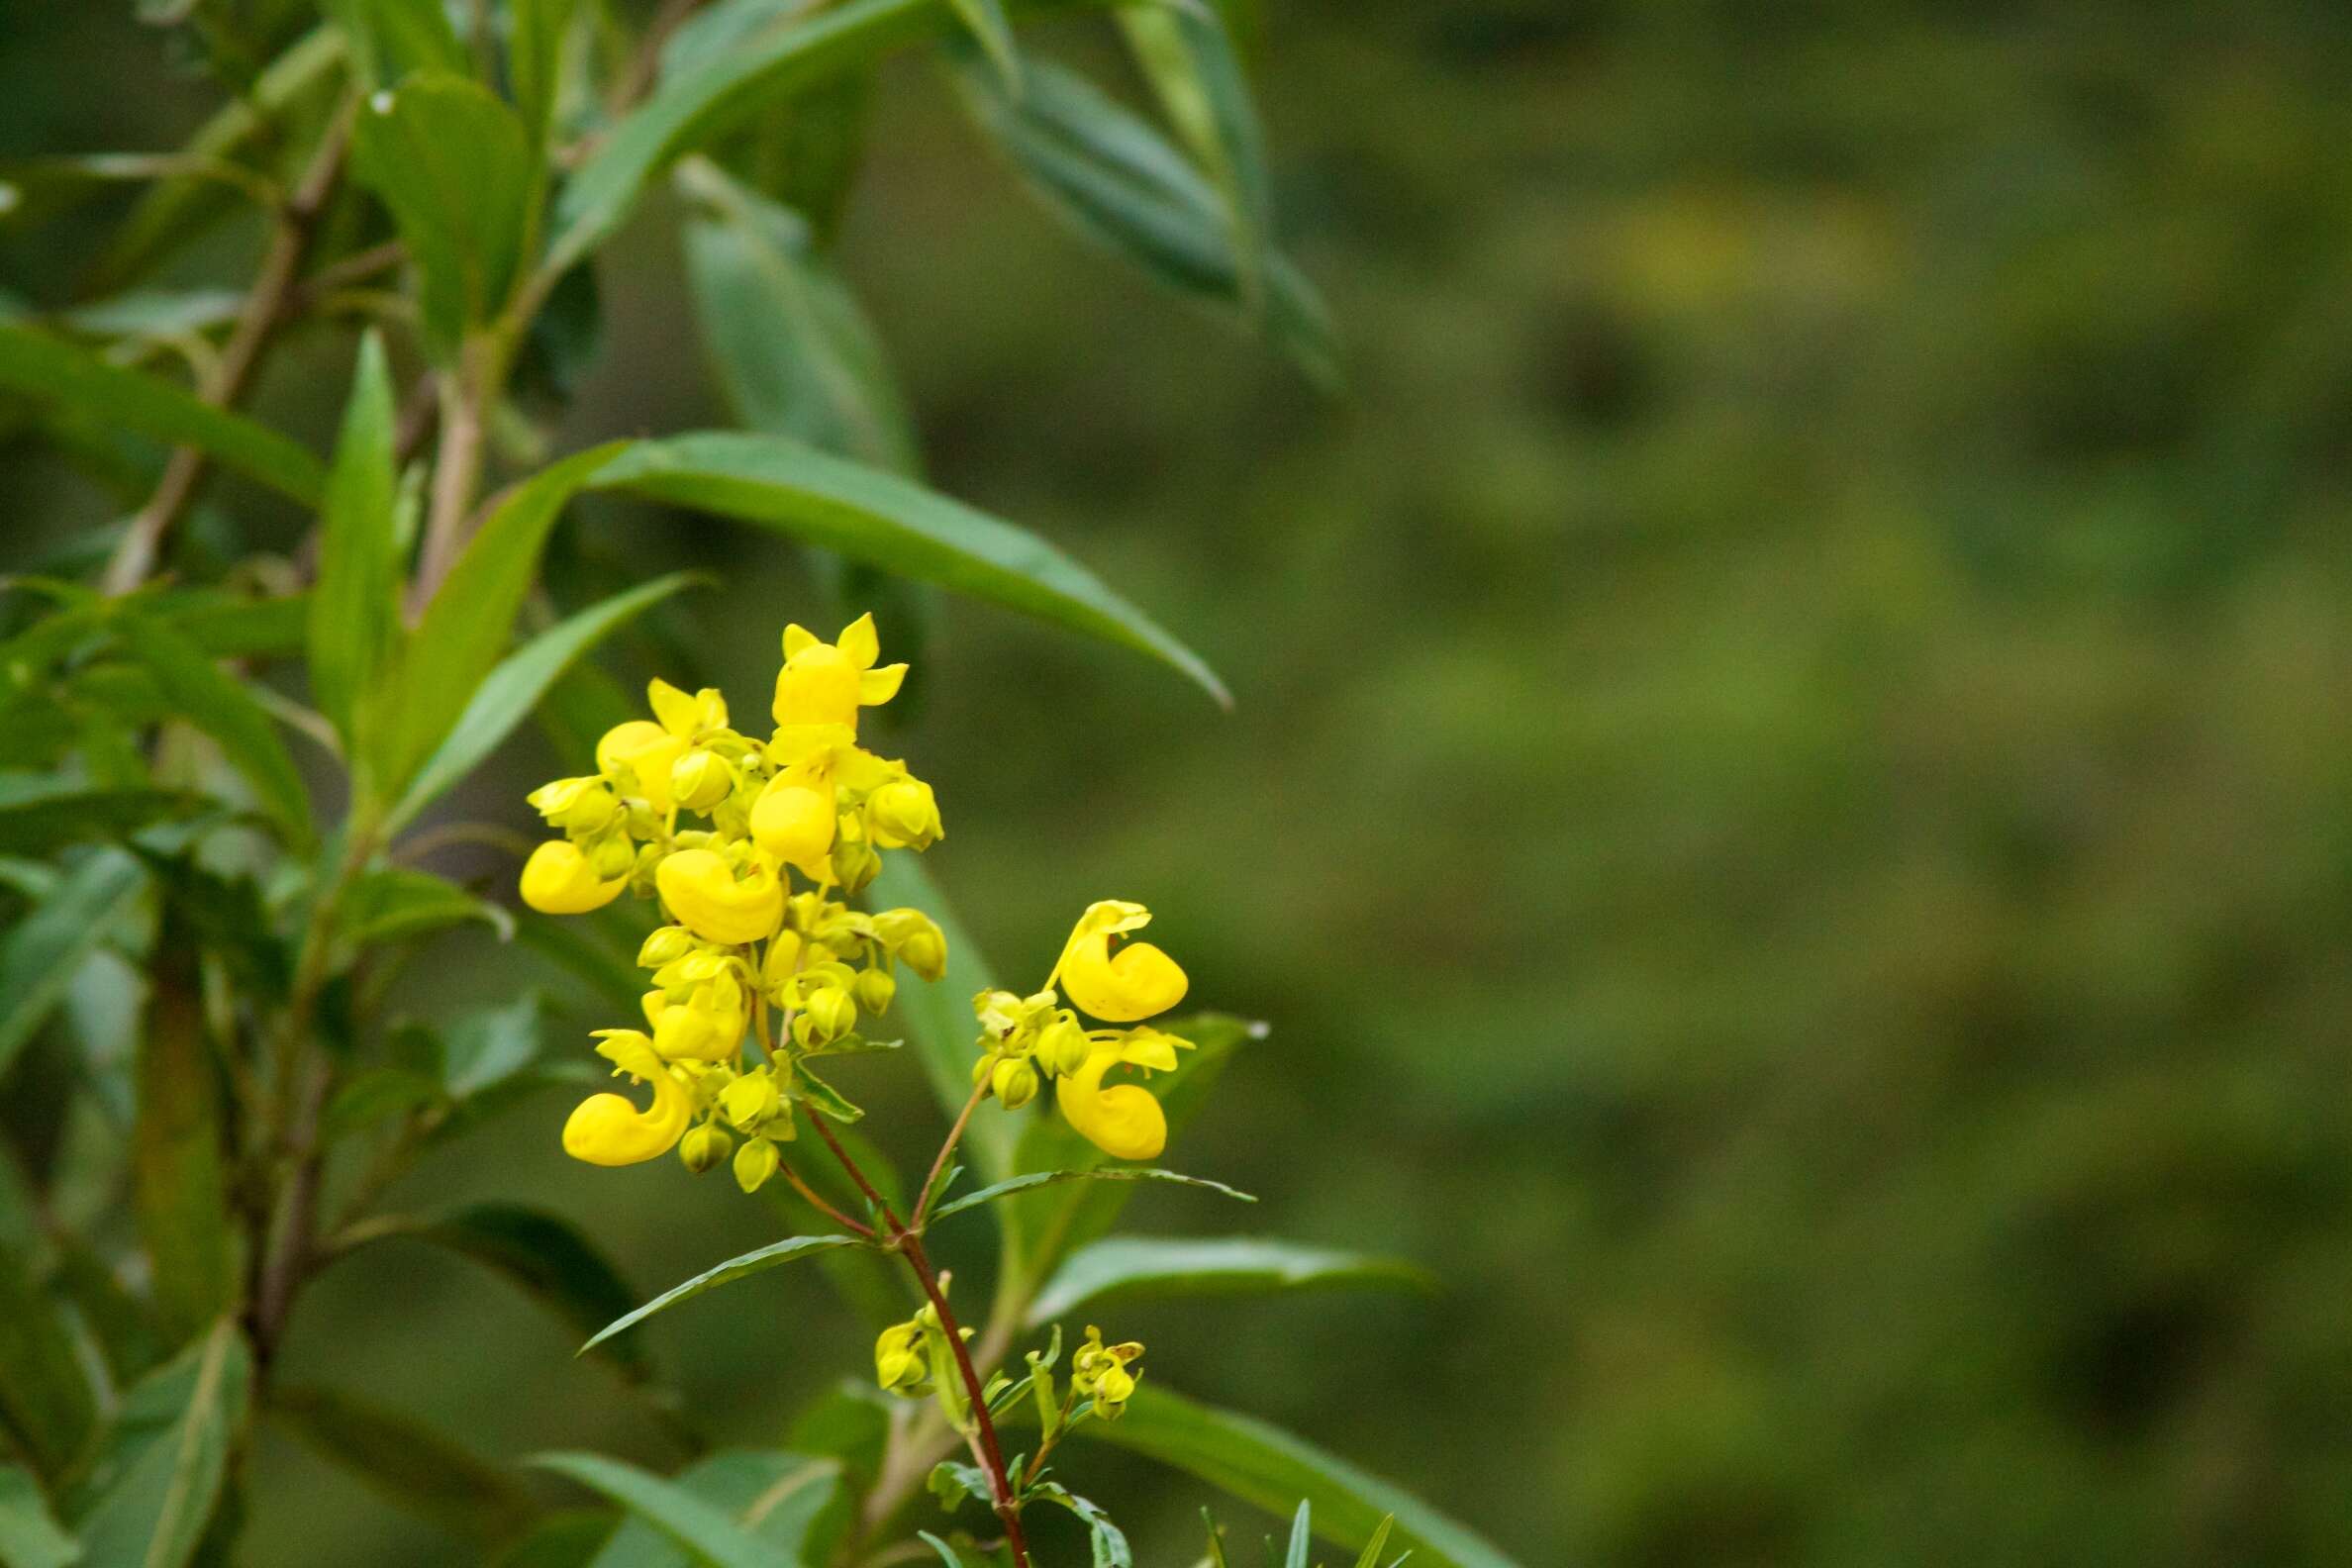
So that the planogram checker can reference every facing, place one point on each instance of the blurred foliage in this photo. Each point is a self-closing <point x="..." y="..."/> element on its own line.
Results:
<point x="1788" y="791"/>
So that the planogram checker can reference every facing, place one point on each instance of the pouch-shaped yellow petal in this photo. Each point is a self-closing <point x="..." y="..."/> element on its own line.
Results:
<point x="1122" y="1121"/>
<point x="608" y="1129"/>
<point x="704" y="895"/>
<point x="793" y="819"/>
<point x="646" y="753"/>
<point x="1136" y="982"/>
<point x="559" y="880"/>
<point x="817" y="686"/>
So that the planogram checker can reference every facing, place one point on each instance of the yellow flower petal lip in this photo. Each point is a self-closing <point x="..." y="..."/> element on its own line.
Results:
<point x="797" y="637"/>
<point x="1122" y="1121"/>
<point x="608" y="1129"/>
<point x="877" y="686"/>
<point x="647" y="751"/>
<point x="1150" y="1049"/>
<point x="705" y="897"/>
<point x="793" y="819"/>
<point x="1138" y="982"/>
<point x="682" y="714"/>
<point x="559" y="880"/>
<point x="816" y="685"/>
<point x="860" y="642"/>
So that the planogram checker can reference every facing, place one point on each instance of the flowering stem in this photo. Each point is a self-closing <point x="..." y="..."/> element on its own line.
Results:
<point x="821" y="1206"/>
<point x="909" y="1244"/>
<point x="955" y="1136"/>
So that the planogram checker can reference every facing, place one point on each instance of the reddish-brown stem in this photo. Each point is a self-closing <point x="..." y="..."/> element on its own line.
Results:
<point x="909" y="1246"/>
<point x="955" y="1136"/>
<point x="819" y="1204"/>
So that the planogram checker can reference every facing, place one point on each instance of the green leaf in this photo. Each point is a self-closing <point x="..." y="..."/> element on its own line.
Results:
<point x="29" y="1536"/>
<point x="691" y="107"/>
<point x="1378" y="1543"/>
<point x="51" y="370"/>
<point x="490" y="1045"/>
<point x="893" y="522"/>
<point x="549" y="1257"/>
<point x="1109" y="1545"/>
<point x="158" y="1478"/>
<point x="466" y="626"/>
<point x="389" y="38"/>
<point x="756" y="1261"/>
<point x="1261" y="1465"/>
<point x="566" y="1538"/>
<point x="703" y="1529"/>
<point x="1190" y="59"/>
<point x="42" y="812"/>
<point x="178" y="1156"/>
<point x="517" y="683"/>
<point x="393" y="903"/>
<point x="1301" y="1536"/>
<point x="773" y="1497"/>
<point x="234" y="626"/>
<point x="40" y="954"/>
<point x="1036" y="1179"/>
<point x="464" y="182"/>
<point x="1117" y="179"/>
<point x="355" y="612"/>
<point x="45" y="1403"/>
<point x="534" y="60"/>
<point x="937" y="1016"/>
<point x="410" y="1464"/>
<point x="985" y="19"/>
<point x="794" y="353"/>
<point x="1128" y="1267"/>
<point x="200" y="692"/>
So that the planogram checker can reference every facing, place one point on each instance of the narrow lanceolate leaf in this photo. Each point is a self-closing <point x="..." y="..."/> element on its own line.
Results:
<point x="1262" y="1464"/>
<point x="756" y="1261"/>
<point x="534" y="60"/>
<point x="41" y="813"/>
<point x="892" y="522"/>
<point x="157" y="1479"/>
<point x="466" y="626"/>
<point x="201" y="693"/>
<point x="354" y="611"/>
<point x="463" y="181"/>
<point x="794" y="353"/>
<point x="1301" y="1538"/>
<point x="717" y="94"/>
<point x="1189" y="57"/>
<point x="1117" y="179"/>
<point x="396" y="902"/>
<point x="40" y="954"/>
<point x="45" y="1400"/>
<point x="1036" y="1179"/>
<point x="53" y="371"/>
<point x="545" y="1256"/>
<point x="703" y="1529"/>
<point x="515" y="686"/>
<point x="178" y="1160"/>
<point x="774" y="1497"/>
<point x="30" y="1537"/>
<point x="1373" y="1548"/>
<point x="1125" y="1268"/>
<point x="412" y="1465"/>
<point x="985" y="19"/>
<point x="389" y="38"/>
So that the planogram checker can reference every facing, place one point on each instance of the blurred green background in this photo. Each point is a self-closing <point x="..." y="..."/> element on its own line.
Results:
<point x="1789" y="799"/>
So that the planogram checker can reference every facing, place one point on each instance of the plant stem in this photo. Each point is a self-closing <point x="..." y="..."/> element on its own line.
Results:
<point x="955" y="1136"/>
<point x="908" y="1245"/>
<point x="457" y="470"/>
<point x="265" y="306"/>
<point x="817" y="1201"/>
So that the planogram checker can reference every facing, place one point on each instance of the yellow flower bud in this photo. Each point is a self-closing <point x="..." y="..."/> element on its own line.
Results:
<point x="575" y="805"/>
<point x="664" y="944"/>
<point x="606" y="1130"/>
<point x="1124" y="1120"/>
<point x="558" y="879"/>
<point x="1015" y="1082"/>
<point x="1002" y="1014"/>
<point x="901" y="1362"/>
<point x="704" y="896"/>
<point x="613" y="857"/>
<point x="905" y="815"/>
<point x="750" y="1101"/>
<point x="638" y="756"/>
<point x="855" y="863"/>
<point x="1064" y="1045"/>
<point x="1137" y="983"/>
<point x="703" y="1148"/>
<point x="754" y="1163"/>
<point x="876" y="990"/>
<point x="794" y="819"/>
<point x="700" y="780"/>
<point x="826" y="1013"/>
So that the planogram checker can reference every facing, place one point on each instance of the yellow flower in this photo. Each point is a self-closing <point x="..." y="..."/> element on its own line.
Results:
<point x="707" y="1026"/>
<point x="558" y="879"/>
<point x="1134" y="983"/>
<point x="642" y="753"/>
<point x="793" y="819"/>
<point x="704" y="896"/>
<point x="1122" y="1121"/>
<point x="826" y="684"/>
<point x="905" y="815"/>
<point x="606" y="1130"/>
<point x="902" y="1359"/>
<point x="1100" y="1372"/>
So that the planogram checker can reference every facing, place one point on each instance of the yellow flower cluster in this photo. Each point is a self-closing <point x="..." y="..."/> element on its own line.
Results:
<point x="741" y="945"/>
<point x="1026" y="1040"/>
<point x="1106" y="1374"/>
